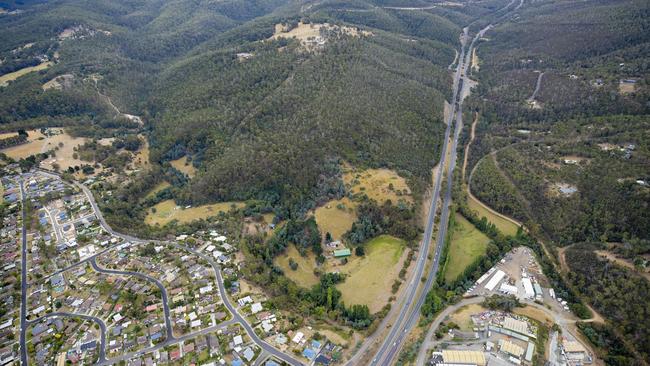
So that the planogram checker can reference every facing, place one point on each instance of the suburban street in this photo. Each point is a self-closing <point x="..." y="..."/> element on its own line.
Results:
<point x="267" y="349"/>
<point x="23" y="283"/>
<point x="99" y="322"/>
<point x="163" y="291"/>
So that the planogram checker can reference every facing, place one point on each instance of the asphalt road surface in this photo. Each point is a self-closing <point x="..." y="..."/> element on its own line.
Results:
<point x="99" y="322"/>
<point x="163" y="291"/>
<point x="23" y="283"/>
<point x="409" y="316"/>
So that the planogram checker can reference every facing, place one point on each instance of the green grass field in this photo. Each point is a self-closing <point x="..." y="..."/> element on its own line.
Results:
<point x="467" y="244"/>
<point x="371" y="277"/>
<point x="505" y="226"/>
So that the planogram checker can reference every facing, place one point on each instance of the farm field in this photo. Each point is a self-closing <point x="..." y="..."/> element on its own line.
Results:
<point x="376" y="184"/>
<point x="371" y="277"/>
<point x="335" y="220"/>
<point x="463" y="318"/>
<point x="6" y="78"/>
<point x="183" y="166"/>
<point x="167" y="211"/>
<point x="467" y="244"/>
<point x="505" y="226"/>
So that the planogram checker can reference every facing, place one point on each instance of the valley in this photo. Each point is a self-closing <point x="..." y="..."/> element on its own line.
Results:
<point x="375" y="182"/>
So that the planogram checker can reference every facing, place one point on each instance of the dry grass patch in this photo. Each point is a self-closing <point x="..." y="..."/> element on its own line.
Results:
<point x="310" y="33"/>
<point x="336" y="217"/>
<point x="304" y="275"/>
<point x="378" y="184"/>
<point x="183" y="166"/>
<point x="534" y="313"/>
<point x="334" y="336"/>
<point x="166" y="211"/>
<point x="141" y="157"/>
<point x="40" y="143"/>
<point x="475" y="61"/>
<point x="6" y="78"/>
<point x="370" y="278"/>
<point x="626" y="87"/>
<point x="463" y="317"/>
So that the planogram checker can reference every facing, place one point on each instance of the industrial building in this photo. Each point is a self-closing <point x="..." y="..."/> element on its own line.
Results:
<point x="511" y="349"/>
<point x="528" y="287"/>
<point x="462" y="357"/>
<point x="494" y="281"/>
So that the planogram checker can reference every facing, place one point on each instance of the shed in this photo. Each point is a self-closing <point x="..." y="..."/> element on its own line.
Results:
<point x="341" y="253"/>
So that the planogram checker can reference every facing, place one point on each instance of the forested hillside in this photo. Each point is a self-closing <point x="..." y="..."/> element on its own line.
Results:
<point x="260" y="117"/>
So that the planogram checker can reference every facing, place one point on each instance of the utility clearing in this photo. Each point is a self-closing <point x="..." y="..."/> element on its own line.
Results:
<point x="467" y="244"/>
<point x="166" y="211"/>
<point x="504" y="225"/>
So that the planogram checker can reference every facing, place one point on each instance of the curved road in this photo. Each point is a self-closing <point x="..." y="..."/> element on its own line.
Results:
<point x="237" y="317"/>
<point x="165" y="301"/>
<point x="99" y="322"/>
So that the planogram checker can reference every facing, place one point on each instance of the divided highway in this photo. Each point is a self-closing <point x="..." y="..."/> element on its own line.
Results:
<point x="409" y="315"/>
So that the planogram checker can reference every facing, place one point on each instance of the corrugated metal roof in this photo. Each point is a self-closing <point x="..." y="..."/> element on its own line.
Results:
<point x="511" y="348"/>
<point x="515" y="325"/>
<point x="464" y="357"/>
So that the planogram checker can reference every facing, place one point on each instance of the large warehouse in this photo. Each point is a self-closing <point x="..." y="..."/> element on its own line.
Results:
<point x="458" y="357"/>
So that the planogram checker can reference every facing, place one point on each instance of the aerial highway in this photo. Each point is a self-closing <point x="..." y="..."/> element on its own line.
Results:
<point x="410" y="313"/>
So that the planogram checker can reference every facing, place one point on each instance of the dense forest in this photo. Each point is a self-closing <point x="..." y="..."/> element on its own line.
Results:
<point x="614" y="291"/>
<point x="265" y="127"/>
